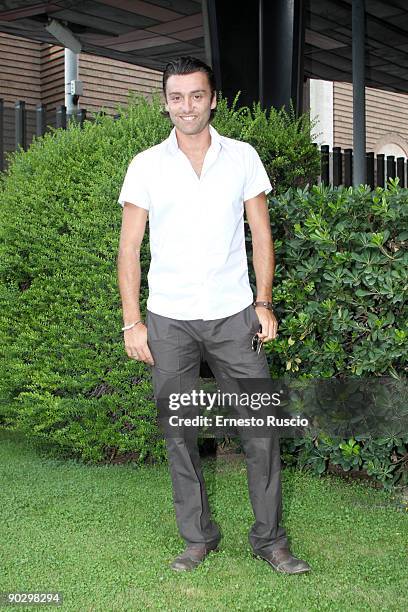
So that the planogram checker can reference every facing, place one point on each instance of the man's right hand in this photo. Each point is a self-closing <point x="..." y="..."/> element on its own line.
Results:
<point x="136" y="344"/>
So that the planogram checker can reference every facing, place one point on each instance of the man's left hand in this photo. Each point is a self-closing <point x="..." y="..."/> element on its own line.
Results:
<point x="269" y="324"/>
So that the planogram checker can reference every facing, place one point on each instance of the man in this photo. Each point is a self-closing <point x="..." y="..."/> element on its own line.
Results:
<point x="194" y="186"/>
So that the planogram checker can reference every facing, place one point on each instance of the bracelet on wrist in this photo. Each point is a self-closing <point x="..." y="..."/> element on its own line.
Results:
<point x="130" y="325"/>
<point x="267" y="305"/>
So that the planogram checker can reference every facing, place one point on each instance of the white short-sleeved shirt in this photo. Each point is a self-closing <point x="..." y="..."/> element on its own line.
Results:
<point x="198" y="266"/>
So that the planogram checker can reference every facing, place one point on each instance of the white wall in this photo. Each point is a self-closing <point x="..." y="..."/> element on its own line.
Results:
<point x="321" y="107"/>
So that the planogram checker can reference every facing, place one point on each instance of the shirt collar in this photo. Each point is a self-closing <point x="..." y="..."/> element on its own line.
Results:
<point x="172" y="144"/>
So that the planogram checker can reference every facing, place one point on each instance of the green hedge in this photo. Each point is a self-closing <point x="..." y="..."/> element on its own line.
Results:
<point x="282" y="141"/>
<point x="340" y="292"/>
<point x="340" y="283"/>
<point x="66" y="380"/>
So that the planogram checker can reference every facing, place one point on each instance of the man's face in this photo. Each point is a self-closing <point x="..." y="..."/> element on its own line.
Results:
<point x="188" y="101"/>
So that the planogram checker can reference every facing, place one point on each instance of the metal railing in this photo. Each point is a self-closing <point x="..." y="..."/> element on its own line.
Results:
<point x="18" y="125"/>
<point x="336" y="168"/>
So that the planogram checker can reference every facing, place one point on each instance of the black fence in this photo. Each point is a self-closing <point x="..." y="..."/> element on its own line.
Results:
<point x="336" y="168"/>
<point x="18" y="125"/>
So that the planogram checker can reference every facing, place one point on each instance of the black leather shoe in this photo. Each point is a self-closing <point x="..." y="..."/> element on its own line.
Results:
<point x="282" y="560"/>
<point x="193" y="555"/>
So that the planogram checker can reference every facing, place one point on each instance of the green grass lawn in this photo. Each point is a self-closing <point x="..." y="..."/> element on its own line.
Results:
<point x="104" y="537"/>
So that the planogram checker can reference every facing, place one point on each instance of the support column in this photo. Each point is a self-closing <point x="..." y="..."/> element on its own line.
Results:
<point x="234" y="48"/>
<point x="321" y="107"/>
<point x="206" y="29"/>
<point x="282" y="42"/>
<point x="258" y="49"/>
<point x="71" y="74"/>
<point x="359" y="123"/>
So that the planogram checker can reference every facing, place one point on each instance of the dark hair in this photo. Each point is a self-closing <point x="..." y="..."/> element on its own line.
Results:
<point x="185" y="64"/>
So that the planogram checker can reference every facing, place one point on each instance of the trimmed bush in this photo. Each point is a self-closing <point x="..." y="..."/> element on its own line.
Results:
<point x="340" y="284"/>
<point x="340" y="292"/>
<point x="66" y="380"/>
<point x="281" y="139"/>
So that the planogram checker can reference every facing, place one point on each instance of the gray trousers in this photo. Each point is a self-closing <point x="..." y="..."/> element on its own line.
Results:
<point x="177" y="348"/>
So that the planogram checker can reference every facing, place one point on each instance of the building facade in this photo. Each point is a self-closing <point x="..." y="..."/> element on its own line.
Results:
<point x="33" y="72"/>
<point x="386" y="117"/>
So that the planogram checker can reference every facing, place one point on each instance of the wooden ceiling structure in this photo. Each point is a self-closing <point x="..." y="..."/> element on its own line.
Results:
<point x="150" y="32"/>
